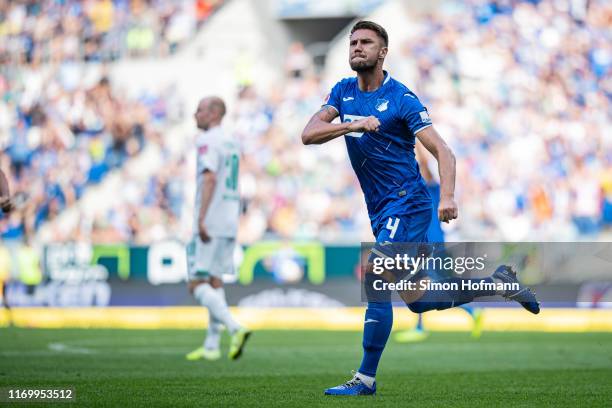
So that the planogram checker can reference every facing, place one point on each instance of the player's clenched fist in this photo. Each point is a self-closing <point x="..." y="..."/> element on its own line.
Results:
<point x="369" y="124"/>
<point x="447" y="210"/>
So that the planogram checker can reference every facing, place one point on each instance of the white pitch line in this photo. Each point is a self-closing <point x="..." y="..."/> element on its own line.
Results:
<point x="64" y="348"/>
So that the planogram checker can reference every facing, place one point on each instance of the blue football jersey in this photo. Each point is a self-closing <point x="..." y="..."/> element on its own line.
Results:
<point x="384" y="161"/>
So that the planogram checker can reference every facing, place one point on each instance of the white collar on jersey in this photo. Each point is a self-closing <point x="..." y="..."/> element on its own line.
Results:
<point x="207" y="136"/>
<point x="387" y="77"/>
<point x="213" y="130"/>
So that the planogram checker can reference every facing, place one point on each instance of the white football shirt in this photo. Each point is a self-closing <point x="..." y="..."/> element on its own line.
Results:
<point x="218" y="152"/>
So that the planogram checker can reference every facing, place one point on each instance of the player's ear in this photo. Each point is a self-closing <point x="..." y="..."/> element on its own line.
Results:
<point x="383" y="53"/>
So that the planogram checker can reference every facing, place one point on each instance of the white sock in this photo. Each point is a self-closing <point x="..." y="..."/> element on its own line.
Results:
<point x="236" y="326"/>
<point x="213" y="334"/>
<point x="214" y="300"/>
<point x="366" y="379"/>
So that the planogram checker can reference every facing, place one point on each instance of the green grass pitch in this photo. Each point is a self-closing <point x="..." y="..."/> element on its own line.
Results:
<point x="291" y="368"/>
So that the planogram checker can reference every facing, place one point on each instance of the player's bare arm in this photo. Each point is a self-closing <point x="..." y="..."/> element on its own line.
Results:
<point x="209" y="182"/>
<point x="423" y="157"/>
<point x="447" y="210"/>
<point x="319" y="128"/>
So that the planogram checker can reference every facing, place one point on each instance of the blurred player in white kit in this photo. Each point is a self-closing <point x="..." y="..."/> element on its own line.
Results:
<point x="211" y="251"/>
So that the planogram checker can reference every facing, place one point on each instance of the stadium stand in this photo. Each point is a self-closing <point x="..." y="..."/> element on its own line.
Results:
<point x="36" y="32"/>
<point x="520" y="89"/>
<point x="528" y="118"/>
<point x="63" y="125"/>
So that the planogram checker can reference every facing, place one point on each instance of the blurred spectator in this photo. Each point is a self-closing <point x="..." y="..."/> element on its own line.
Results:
<point x="298" y="62"/>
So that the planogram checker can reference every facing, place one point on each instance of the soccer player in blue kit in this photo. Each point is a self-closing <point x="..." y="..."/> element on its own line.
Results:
<point x="380" y="119"/>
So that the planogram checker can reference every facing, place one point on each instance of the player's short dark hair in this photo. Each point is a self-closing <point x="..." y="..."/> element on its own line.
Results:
<point x="370" y="25"/>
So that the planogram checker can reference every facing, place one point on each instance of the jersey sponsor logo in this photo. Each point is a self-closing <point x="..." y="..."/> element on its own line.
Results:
<point x="371" y="321"/>
<point x="410" y="95"/>
<point x="425" y="117"/>
<point x="382" y="105"/>
<point x="348" y="98"/>
<point x="352" y="118"/>
<point x="202" y="149"/>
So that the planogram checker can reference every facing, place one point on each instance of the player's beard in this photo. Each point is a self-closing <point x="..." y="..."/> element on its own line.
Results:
<point x="362" y="65"/>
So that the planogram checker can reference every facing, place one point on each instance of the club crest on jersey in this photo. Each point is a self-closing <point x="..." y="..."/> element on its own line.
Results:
<point x="382" y="105"/>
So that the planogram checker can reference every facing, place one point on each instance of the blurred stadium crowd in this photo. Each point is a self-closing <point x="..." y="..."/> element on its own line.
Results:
<point x="60" y="134"/>
<point x="520" y="92"/>
<point x="53" y="31"/>
<point x="62" y="125"/>
<point x="523" y="96"/>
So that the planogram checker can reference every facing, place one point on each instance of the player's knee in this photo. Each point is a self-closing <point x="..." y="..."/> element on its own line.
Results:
<point x="369" y="269"/>
<point x="193" y="284"/>
<point x="215" y="282"/>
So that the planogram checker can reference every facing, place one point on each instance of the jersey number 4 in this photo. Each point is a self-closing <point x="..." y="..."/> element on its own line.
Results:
<point x="392" y="224"/>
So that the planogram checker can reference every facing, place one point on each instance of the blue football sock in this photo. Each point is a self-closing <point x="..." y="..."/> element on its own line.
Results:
<point x="445" y="299"/>
<point x="469" y="309"/>
<point x="419" y="325"/>
<point x="376" y="330"/>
